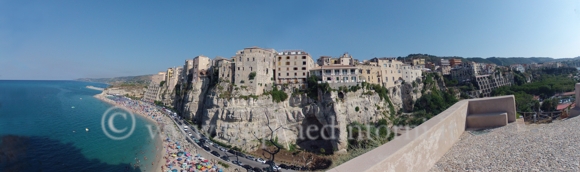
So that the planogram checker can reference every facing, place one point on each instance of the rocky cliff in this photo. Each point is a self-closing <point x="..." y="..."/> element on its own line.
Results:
<point x="242" y="120"/>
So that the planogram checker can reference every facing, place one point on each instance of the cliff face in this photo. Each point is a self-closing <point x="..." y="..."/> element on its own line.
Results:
<point x="242" y="121"/>
<point x="299" y="120"/>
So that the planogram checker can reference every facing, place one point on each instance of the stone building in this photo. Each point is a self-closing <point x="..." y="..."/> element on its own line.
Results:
<point x="445" y="67"/>
<point x="172" y="76"/>
<point x="187" y="70"/>
<point x="419" y="63"/>
<point x="337" y="72"/>
<point x="225" y="69"/>
<point x="487" y="83"/>
<point x="411" y="73"/>
<point x="370" y="72"/>
<point x="518" y="67"/>
<point x="391" y="71"/>
<point x="201" y="65"/>
<point x="292" y="68"/>
<point x="254" y="70"/>
<point x="454" y="62"/>
<point x="152" y="93"/>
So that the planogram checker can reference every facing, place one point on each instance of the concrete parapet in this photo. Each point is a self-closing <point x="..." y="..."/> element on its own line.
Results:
<point x="420" y="148"/>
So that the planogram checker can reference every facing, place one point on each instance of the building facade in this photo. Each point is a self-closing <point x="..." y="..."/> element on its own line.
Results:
<point x="152" y="93"/>
<point x="293" y="68"/>
<point x="254" y="69"/>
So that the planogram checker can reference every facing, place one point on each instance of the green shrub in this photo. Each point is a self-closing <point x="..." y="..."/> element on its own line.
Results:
<point x="252" y="75"/>
<point x="278" y="95"/>
<point x="356" y="109"/>
<point x="226" y="165"/>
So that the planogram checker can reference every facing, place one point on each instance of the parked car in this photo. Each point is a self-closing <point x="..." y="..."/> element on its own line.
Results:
<point x="206" y="148"/>
<point x="261" y="160"/>
<point x="284" y="166"/>
<point x="248" y="167"/>
<point x="238" y="163"/>
<point x="256" y="169"/>
<point x="226" y="158"/>
<point x="250" y="157"/>
<point x="215" y="153"/>
<point x="223" y="149"/>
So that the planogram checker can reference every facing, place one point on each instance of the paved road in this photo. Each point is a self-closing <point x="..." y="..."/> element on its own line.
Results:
<point x="198" y="136"/>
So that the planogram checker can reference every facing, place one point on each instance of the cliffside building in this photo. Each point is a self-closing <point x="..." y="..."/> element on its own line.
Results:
<point x="254" y="69"/>
<point x="293" y="68"/>
<point x="201" y="65"/>
<point x="337" y="71"/>
<point x="152" y="93"/>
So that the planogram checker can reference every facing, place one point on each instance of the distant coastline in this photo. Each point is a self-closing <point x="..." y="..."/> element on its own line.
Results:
<point x="95" y="88"/>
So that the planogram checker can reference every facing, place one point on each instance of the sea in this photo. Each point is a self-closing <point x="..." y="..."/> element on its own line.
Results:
<point x="43" y="127"/>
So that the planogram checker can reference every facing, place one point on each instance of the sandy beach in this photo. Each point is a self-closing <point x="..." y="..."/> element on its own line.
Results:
<point x="174" y="151"/>
<point x="159" y="144"/>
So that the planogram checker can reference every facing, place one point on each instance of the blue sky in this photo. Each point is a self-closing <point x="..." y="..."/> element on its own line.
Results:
<point x="106" y="38"/>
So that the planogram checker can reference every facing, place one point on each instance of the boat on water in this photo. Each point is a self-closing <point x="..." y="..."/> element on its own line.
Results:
<point x="87" y="129"/>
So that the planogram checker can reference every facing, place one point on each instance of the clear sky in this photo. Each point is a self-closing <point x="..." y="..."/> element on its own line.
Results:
<point x="107" y="38"/>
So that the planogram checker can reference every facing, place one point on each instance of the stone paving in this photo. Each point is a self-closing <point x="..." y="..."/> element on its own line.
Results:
<point x="517" y="147"/>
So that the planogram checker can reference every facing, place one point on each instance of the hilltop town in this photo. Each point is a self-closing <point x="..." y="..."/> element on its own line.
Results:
<point x="233" y="99"/>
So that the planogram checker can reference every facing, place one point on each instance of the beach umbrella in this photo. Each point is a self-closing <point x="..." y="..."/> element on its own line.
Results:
<point x="178" y="159"/>
<point x="174" y="170"/>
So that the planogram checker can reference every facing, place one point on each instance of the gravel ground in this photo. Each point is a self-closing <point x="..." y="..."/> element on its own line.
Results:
<point x="517" y="147"/>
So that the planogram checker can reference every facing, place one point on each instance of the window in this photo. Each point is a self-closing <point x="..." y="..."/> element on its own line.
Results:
<point x="368" y="71"/>
<point x="278" y="74"/>
<point x="295" y="57"/>
<point x="384" y="65"/>
<point x="295" y="74"/>
<point x="304" y="63"/>
<point x="253" y="59"/>
<point x="295" y="68"/>
<point x="238" y="68"/>
<point x="303" y="68"/>
<point x="287" y="57"/>
<point x="303" y="74"/>
<point x="328" y="78"/>
<point x="248" y="59"/>
<point x="287" y="74"/>
<point x="303" y="57"/>
<point x="251" y="68"/>
<point x="279" y="58"/>
<point x="287" y="63"/>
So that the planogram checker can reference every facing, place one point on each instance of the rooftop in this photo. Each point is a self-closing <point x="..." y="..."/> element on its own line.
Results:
<point x="517" y="147"/>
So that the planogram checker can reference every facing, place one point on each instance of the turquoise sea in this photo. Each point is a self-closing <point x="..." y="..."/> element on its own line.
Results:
<point x="42" y="128"/>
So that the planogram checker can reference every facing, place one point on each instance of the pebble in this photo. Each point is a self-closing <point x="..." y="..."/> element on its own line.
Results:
<point x="536" y="147"/>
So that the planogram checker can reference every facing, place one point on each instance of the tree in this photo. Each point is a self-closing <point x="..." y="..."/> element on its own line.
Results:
<point x="270" y="139"/>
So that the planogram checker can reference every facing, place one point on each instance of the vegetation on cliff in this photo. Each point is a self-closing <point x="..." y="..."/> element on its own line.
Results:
<point x="547" y="83"/>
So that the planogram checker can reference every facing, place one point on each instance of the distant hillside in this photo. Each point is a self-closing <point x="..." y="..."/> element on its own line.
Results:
<point x="504" y="61"/>
<point x="124" y="80"/>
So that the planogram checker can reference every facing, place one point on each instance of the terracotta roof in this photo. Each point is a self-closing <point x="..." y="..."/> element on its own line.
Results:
<point x="563" y="106"/>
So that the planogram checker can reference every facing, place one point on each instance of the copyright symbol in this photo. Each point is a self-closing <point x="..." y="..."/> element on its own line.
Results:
<point x="109" y="116"/>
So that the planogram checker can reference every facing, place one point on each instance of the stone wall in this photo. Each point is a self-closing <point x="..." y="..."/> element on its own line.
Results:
<point x="420" y="148"/>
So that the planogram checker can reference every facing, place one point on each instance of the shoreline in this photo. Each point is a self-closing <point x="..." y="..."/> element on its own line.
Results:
<point x="159" y="144"/>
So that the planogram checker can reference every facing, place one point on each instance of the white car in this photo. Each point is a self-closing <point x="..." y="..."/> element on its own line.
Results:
<point x="261" y="160"/>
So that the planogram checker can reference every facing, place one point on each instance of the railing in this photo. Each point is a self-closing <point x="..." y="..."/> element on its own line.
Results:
<point x="541" y="117"/>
